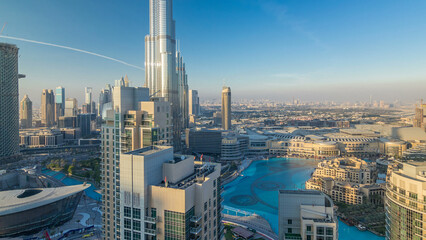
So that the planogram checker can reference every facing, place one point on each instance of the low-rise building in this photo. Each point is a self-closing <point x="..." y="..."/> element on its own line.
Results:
<point x="318" y="149"/>
<point x="347" y="180"/>
<point x="41" y="137"/>
<point x="352" y="170"/>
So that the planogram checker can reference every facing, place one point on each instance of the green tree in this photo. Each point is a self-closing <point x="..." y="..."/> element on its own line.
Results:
<point x="70" y="169"/>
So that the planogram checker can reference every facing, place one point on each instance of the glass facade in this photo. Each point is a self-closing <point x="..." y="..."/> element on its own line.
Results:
<point x="404" y="217"/>
<point x="9" y="102"/>
<point x="177" y="225"/>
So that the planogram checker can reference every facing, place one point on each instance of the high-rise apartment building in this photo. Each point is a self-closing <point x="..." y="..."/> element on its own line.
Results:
<point x="9" y="101"/>
<point x="147" y="126"/>
<point x="59" y="102"/>
<point x="306" y="214"/>
<point x="194" y="103"/>
<point x="406" y="201"/>
<point x="161" y="72"/>
<point x="118" y="116"/>
<point x="226" y="108"/>
<point x="26" y="112"/>
<point x="420" y="116"/>
<point x="166" y="196"/>
<point x="71" y="107"/>
<point x="47" y="107"/>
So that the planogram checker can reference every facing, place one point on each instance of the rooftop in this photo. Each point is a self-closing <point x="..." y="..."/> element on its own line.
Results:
<point x="24" y="199"/>
<point x="148" y="150"/>
<point x="200" y="171"/>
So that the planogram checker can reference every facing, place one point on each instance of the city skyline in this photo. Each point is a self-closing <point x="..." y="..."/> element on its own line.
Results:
<point x="310" y="51"/>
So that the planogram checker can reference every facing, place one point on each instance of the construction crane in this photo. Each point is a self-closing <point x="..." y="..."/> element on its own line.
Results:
<point x="152" y="95"/>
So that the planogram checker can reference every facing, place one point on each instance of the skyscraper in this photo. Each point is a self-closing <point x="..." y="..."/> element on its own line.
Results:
<point x="183" y="89"/>
<point x="26" y="112"/>
<point x="88" y="95"/>
<point x="226" y="108"/>
<point x="114" y="138"/>
<point x="160" y="59"/>
<point x="59" y="102"/>
<point x="405" y="206"/>
<point x="47" y="107"/>
<point x="70" y="107"/>
<point x="9" y="102"/>
<point x="420" y="116"/>
<point x="194" y="103"/>
<point x="105" y="96"/>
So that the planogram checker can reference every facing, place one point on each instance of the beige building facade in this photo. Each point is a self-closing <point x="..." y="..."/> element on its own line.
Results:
<point x="406" y="201"/>
<point x="306" y="214"/>
<point x="166" y="196"/>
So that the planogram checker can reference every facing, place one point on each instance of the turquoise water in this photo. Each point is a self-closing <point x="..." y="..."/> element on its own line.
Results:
<point x="90" y="192"/>
<point x="256" y="191"/>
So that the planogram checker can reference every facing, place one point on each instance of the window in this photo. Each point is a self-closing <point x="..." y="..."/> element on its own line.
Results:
<point x="329" y="231"/>
<point x="289" y="230"/>
<point x="308" y="237"/>
<point x="205" y="206"/>
<point x="127" y="212"/>
<point x="289" y="221"/>
<point x="320" y="230"/>
<point x="127" y="235"/>
<point x="309" y="228"/>
<point x="136" y="213"/>
<point x="127" y="223"/>
<point x="136" y="225"/>
<point x="136" y="236"/>
<point x="412" y="195"/>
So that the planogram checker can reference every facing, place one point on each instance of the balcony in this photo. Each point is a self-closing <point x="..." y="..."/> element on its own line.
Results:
<point x="222" y="228"/>
<point x="152" y="220"/>
<point x="151" y="232"/>
<point x="196" y="219"/>
<point x="195" y="230"/>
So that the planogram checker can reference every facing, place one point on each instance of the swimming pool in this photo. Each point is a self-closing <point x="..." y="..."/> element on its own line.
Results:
<point x="256" y="191"/>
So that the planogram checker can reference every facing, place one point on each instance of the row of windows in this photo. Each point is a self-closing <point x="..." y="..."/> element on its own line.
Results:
<point x="128" y="212"/>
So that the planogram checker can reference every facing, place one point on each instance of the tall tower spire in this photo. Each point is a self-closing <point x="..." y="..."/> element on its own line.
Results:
<point x="160" y="58"/>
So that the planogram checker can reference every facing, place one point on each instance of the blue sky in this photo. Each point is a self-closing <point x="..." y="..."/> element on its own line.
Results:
<point x="312" y="50"/>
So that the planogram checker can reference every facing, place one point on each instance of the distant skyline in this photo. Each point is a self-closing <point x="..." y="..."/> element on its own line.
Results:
<point x="271" y="49"/>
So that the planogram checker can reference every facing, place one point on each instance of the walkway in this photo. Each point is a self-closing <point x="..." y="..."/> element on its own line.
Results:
<point x="253" y="221"/>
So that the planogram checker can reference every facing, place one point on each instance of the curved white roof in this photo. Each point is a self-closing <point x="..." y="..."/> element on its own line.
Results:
<point x="11" y="203"/>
